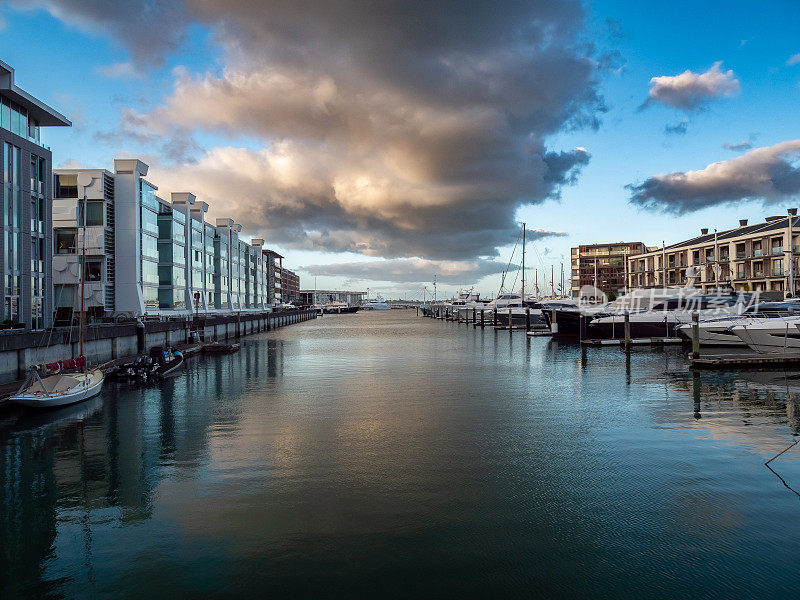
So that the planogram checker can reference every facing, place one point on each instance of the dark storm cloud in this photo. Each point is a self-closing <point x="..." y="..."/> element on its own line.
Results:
<point x="150" y="29"/>
<point x="393" y="129"/>
<point x="770" y="174"/>
<point x="411" y="270"/>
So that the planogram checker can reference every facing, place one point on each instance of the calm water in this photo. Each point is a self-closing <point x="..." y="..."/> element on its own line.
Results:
<point x="383" y="454"/>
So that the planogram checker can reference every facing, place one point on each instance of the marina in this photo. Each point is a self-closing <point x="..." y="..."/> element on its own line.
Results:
<point x="508" y="457"/>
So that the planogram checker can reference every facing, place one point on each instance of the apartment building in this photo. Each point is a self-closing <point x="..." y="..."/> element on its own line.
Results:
<point x="759" y="257"/>
<point x="68" y="217"/>
<point x="323" y="297"/>
<point x="290" y="286"/>
<point x="26" y="195"/>
<point x="148" y="255"/>
<point x="601" y="266"/>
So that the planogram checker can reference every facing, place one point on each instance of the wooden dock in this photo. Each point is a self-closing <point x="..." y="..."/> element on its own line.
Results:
<point x="738" y="362"/>
<point x="634" y="342"/>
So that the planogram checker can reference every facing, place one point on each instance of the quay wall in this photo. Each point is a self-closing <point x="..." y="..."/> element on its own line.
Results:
<point x="107" y="341"/>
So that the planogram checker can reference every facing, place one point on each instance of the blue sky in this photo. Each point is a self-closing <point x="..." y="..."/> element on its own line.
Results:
<point x="65" y="59"/>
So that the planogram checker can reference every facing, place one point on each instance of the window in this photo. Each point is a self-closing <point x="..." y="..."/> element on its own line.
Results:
<point x="93" y="271"/>
<point x="94" y="214"/>
<point x="66" y="240"/>
<point x="66" y="186"/>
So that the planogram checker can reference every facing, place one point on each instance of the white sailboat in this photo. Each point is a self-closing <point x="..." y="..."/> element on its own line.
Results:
<point x="62" y="389"/>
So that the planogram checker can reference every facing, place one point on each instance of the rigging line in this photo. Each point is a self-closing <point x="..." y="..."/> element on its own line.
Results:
<point x="508" y="266"/>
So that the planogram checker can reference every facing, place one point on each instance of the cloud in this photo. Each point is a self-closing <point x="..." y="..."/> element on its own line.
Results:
<point x="411" y="270"/>
<point x="413" y="132"/>
<point x="770" y="174"/>
<point x="794" y="59"/>
<point x="692" y="91"/>
<point x="150" y="30"/>
<point x="121" y="70"/>
<point x="738" y="146"/>
<point x="679" y="128"/>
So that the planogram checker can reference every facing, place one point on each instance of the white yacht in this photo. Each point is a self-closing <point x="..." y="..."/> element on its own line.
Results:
<point x="767" y="336"/>
<point x="662" y="318"/>
<point x="377" y="303"/>
<point x="717" y="331"/>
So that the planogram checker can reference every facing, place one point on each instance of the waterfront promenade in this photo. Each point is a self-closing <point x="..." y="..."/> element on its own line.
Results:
<point x="381" y="454"/>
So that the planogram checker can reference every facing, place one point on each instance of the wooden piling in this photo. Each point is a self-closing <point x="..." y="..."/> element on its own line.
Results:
<point x="482" y="323"/>
<point x="527" y="319"/>
<point x="695" y="335"/>
<point x="627" y="331"/>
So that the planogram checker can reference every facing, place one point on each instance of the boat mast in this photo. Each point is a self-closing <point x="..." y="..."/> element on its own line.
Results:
<point x="536" y="282"/>
<point x="83" y="271"/>
<point x="553" y="280"/>
<point x="562" y="279"/>
<point x="523" y="263"/>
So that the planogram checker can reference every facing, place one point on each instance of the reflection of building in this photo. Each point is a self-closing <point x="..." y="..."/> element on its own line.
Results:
<point x="601" y="265"/>
<point x="323" y="297"/>
<point x="150" y="255"/>
<point x="748" y="257"/>
<point x="26" y="195"/>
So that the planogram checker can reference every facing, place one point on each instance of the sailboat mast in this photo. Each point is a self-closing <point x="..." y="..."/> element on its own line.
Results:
<point x="536" y="282"/>
<point x="562" y="279"/>
<point x="523" y="263"/>
<point x="552" y="280"/>
<point x="83" y="271"/>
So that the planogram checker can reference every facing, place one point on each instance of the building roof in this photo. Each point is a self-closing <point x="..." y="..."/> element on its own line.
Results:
<point x="774" y="224"/>
<point x="40" y="111"/>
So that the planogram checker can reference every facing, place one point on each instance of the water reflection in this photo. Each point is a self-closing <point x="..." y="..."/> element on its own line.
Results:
<point x="334" y="456"/>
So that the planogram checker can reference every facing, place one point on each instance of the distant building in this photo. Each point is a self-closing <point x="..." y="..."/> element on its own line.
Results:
<point x="290" y="286"/>
<point x="747" y="257"/>
<point x="26" y="195"/>
<point x="323" y="297"/>
<point x="601" y="265"/>
<point x="274" y="268"/>
<point x="146" y="255"/>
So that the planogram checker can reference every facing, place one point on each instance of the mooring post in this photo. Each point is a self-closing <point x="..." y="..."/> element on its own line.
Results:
<point x="582" y="328"/>
<point x="494" y="313"/>
<point x="527" y="318"/>
<point x="509" y="320"/>
<point x="627" y="340"/>
<point x="482" y="323"/>
<point x="417" y="310"/>
<point x="474" y="313"/>
<point x="553" y="322"/>
<point x="695" y="334"/>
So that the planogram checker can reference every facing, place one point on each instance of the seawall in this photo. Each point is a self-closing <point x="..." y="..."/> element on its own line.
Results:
<point x="107" y="341"/>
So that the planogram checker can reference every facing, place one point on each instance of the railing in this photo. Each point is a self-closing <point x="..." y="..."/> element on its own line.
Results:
<point x="777" y="250"/>
<point x="757" y="252"/>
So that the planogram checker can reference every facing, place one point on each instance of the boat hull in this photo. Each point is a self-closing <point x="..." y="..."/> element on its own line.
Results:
<point x="54" y="399"/>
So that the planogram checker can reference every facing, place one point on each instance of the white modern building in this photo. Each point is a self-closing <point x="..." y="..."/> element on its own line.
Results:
<point x="147" y="255"/>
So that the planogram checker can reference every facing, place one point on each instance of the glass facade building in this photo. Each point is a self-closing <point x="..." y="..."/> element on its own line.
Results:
<point x="26" y="196"/>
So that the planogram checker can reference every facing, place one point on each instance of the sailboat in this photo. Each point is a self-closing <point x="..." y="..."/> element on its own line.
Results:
<point x="62" y="389"/>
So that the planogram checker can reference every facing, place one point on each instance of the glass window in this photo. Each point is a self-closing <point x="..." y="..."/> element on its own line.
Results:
<point x="149" y="246"/>
<point x="66" y="186"/>
<point x="150" y="272"/>
<point x="147" y="192"/>
<point x="93" y="270"/>
<point x="5" y="115"/>
<point x="66" y="241"/>
<point x="150" y="297"/>
<point x="94" y="213"/>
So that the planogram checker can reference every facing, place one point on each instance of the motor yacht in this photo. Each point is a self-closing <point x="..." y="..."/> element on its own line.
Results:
<point x="717" y="331"/>
<point x="662" y="318"/>
<point x="768" y="336"/>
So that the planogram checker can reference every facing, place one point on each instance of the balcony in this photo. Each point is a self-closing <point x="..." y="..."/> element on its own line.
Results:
<point x="741" y="255"/>
<point x="777" y="273"/>
<point x="777" y="250"/>
<point x="757" y="252"/>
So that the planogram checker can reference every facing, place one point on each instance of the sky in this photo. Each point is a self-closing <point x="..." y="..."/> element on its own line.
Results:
<point x="377" y="144"/>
